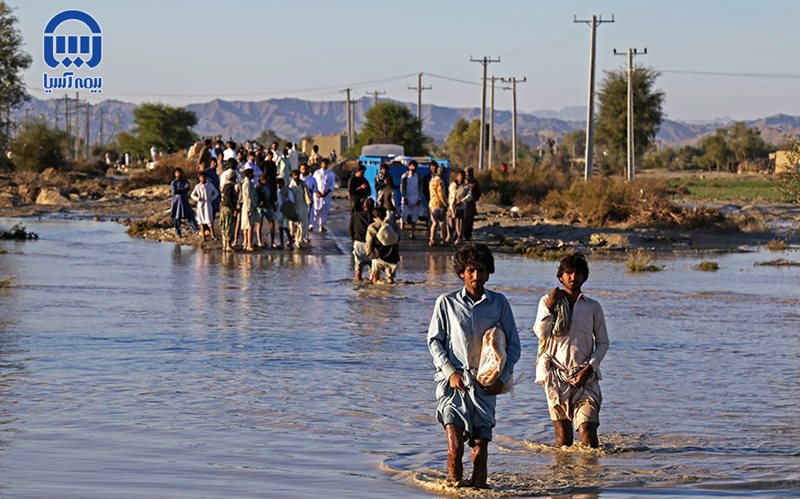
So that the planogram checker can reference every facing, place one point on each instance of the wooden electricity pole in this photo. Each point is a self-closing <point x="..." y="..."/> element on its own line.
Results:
<point x="593" y="23"/>
<point x="630" y="171"/>
<point x="376" y="93"/>
<point x="419" y="88"/>
<point x="349" y="118"/>
<point x="514" y="80"/>
<point x="485" y="61"/>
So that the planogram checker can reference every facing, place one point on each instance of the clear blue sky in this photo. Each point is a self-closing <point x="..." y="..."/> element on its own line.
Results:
<point x="181" y="51"/>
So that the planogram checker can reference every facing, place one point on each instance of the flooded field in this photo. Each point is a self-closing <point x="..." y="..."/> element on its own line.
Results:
<point x="137" y="369"/>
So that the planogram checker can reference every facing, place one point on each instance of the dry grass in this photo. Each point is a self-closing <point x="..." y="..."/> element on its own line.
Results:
<point x="138" y="228"/>
<point x="777" y="245"/>
<point x="523" y="188"/>
<point x="162" y="174"/>
<point x="707" y="266"/>
<point x="638" y="262"/>
<point x="5" y="283"/>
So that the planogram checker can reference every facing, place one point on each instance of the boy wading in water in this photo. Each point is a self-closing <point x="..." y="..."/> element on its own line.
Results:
<point x="573" y="340"/>
<point x="460" y="318"/>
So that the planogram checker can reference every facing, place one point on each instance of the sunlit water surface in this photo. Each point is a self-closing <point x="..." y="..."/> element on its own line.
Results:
<point x="131" y="369"/>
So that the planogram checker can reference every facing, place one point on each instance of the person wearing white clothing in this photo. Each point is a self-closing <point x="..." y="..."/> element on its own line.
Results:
<point x="323" y="196"/>
<point x="204" y="194"/>
<point x="293" y="156"/>
<point x="573" y="340"/>
<point x="229" y="152"/>
<point x="411" y="193"/>
<point x="282" y="162"/>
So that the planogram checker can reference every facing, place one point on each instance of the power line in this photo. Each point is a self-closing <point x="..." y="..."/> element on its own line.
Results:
<point x="294" y="91"/>
<point x="457" y="80"/>
<point x="728" y="73"/>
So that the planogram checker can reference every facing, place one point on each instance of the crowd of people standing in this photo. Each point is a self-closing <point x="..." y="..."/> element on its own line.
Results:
<point x="252" y="189"/>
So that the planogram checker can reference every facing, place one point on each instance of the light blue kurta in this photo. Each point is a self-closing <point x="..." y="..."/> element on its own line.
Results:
<point x="454" y="340"/>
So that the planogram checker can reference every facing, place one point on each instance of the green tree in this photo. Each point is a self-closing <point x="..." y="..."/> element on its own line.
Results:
<point x="461" y="145"/>
<point x="612" y="120"/>
<point x="160" y="125"/>
<point x="391" y="123"/>
<point x="37" y="146"/>
<point x="729" y="146"/>
<point x="267" y="137"/>
<point x="13" y="61"/>
<point x="573" y="144"/>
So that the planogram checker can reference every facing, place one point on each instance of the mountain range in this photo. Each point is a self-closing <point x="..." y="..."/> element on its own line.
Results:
<point x="295" y="118"/>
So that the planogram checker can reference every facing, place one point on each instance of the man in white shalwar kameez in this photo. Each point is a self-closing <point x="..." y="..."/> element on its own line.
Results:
<point x="573" y="341"/>
<point x="205" y="194"/>
<point x="323" y="197"/>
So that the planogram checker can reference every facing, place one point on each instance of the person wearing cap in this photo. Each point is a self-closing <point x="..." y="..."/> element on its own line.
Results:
<point x="358" y="188"/>
<point x="228" y="209"/>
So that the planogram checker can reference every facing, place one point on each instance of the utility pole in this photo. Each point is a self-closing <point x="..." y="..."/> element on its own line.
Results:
<point x="491" y="122"/>
<point x="86" y="136"/>
<point x="631" y="163"/>
<point x="353" y="120"/>
<point x="485" y="61"/>
<point x="594" y="23"/>
<point x="102" y="144"/>
<point x="349" y="118"/>
<point x="66" y="119"/>
<point x="419" y="88"/>
<point x="514" y="80"/>
<point x="376" y="93"/>
<point x="76" y="143"/>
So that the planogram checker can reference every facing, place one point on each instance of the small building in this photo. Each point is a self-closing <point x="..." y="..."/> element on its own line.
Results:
<point x="326" y="143"/>
<point x="785" y="161"/>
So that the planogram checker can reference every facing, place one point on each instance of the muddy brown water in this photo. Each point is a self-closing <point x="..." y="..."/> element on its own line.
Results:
<point x="131" y="368"/>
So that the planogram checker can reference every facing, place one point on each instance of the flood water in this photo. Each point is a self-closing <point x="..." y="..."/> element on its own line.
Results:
<point x="131" y="368"/>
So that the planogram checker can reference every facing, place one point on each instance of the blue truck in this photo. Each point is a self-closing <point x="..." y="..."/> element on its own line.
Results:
<point x="393" y="155"/>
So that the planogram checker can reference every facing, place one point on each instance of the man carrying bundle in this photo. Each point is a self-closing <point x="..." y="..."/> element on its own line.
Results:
<point x="573" y="340"/>
<point x="465" y="408"/>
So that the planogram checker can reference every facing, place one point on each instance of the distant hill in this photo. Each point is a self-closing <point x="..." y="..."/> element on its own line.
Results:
<point x="295" y="118"/>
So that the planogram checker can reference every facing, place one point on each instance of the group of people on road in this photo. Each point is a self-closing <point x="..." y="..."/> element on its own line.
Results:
<point x="252" y="190"/>
<point x="572" y="342"/>
<point x="447" y="210"/>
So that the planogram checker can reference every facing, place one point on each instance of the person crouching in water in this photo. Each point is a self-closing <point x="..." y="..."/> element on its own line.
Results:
<point x="383" y="246"/>
<point x="360" y="220"/>
<point x="466" y="409"/>
<point x="573" y="340"/>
